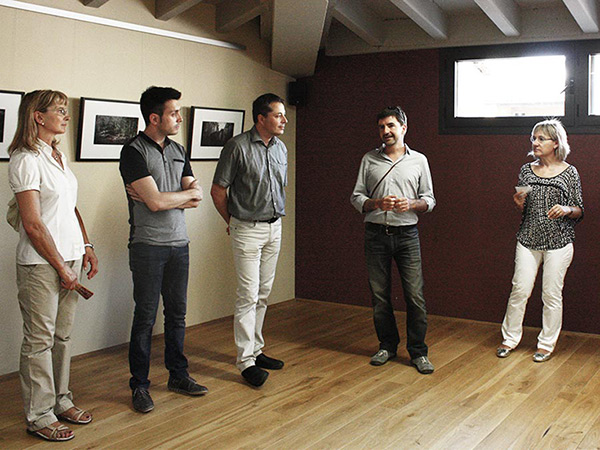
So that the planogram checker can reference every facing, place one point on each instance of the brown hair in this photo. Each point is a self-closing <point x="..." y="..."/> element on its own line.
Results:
<point x="27" y="128"/>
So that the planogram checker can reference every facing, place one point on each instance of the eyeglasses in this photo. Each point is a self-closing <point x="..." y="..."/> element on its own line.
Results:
<point x="62" y="111"/>
<point x="540" y="139"/>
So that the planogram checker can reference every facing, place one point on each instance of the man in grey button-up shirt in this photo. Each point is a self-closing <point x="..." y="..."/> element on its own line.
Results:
<point x="393" y="185"/>
<point x="248" y="192"/>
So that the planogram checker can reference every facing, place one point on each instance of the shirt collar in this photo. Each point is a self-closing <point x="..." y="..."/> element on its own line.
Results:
<point x="255" y="137"/>
<point x="46" y="149"/>
<point x="154" y="143"/>
<point x="381" y="148"/>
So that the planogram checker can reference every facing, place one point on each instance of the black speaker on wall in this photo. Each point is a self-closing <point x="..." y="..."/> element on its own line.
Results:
<point x="297" y="92"/>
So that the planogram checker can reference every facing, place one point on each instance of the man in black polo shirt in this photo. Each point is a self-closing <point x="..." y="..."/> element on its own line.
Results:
<point x="160" y="185"/>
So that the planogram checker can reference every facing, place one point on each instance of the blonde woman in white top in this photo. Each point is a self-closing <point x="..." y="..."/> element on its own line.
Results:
<point x="52" y="248"/>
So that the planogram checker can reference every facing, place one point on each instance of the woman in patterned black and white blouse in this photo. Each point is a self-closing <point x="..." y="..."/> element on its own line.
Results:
<point x="549" y="196"/>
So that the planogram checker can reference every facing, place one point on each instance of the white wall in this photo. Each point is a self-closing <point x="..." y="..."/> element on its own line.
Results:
<point x="86" y="60"/>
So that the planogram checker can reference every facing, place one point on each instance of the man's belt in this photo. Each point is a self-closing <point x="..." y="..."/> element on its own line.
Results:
<point x="389" y="229"/>
<point x="272" y="220"/>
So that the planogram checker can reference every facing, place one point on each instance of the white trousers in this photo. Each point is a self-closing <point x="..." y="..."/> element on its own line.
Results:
<point x="256" y="248"/>
<point x="527" y="262"/>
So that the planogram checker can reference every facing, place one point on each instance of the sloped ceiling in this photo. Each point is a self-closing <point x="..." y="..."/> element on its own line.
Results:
<point x="298" y="29"/>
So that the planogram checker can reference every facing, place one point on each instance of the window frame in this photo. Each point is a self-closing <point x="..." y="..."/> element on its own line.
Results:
<point x="576" y="117"/>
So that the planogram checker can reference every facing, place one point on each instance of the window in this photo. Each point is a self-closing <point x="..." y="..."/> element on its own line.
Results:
<point x="507" y="89"/>
<point x="510" y="87"/>
<point x="594" y="85"/>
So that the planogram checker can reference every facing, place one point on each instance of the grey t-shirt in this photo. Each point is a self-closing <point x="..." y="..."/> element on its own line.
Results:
<point x="143" y="157"/>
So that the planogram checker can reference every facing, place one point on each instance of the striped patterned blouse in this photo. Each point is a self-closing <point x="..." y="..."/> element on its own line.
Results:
<point x="537" y="231"/>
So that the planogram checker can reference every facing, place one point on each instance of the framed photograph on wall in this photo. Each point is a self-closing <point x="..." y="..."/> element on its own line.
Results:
<point x="104" y="126"/>
<point x="210" y="129"/>
<point x="9" y="109"/>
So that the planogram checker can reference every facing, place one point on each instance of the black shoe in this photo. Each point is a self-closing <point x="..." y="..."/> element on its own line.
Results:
<point x="142" y="402"/>
<point x="186" y="386"/>
<point x="264" y="362"/>
<point x="255" y="376"/>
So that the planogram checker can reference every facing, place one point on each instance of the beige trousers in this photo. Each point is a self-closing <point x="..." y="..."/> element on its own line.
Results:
<point x="256" y="248"/>
<point x="48" y="313"/>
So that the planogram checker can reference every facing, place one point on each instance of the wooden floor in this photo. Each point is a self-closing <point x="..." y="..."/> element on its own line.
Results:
<point x="328" y="396"/>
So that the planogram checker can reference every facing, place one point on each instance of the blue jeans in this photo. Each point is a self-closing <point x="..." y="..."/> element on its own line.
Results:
<point x="158" y="270"/>
<point x="403" y="246"/>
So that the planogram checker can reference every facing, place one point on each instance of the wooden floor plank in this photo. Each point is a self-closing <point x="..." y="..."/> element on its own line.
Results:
<point x="578" y="417"/>
<point x="496" y="398"/>
<point x="329" y="397"/>
<point x="514" y="427"/>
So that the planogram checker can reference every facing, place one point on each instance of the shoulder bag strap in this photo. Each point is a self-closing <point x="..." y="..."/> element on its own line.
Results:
<point x="383" y="177"/>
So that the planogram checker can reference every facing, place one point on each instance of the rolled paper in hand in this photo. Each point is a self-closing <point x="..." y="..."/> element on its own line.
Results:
<point x="83" y="291"/>
<point x="526" y="189"/>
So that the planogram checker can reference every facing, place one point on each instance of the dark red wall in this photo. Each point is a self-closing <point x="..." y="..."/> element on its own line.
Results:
<point x="468" y="240"/>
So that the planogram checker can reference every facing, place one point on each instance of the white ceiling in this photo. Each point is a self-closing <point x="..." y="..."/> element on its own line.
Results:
<point x="298" y="29"/>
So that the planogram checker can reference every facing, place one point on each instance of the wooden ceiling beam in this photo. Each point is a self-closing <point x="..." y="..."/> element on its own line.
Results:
<point x="504" y="13"/>
<point x="167" y="9"/>
<point x="360" y="20"/>
<point x="94" y="3"/>
<point x="232" y="14"/>
<point x="585" y="13"/>
<point x="426" y="14"/>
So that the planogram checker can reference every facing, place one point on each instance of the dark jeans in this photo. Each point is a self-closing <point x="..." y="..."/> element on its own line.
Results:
<point x="404" y="247"/>
<point x="158" y="270"/>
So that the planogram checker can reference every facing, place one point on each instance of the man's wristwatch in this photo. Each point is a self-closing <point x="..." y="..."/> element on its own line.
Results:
<point x="90" y="245"/>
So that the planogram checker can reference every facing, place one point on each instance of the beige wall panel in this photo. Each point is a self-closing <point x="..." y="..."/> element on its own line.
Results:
<point x="106" y="317"/>
<point x="88" y="60"/>
<point x="43" y="49"/>
<point x="108" y="62"/>
<point x="163" y="62"/>
<point x="7" y="35"/>
<point x="197" y="21"/>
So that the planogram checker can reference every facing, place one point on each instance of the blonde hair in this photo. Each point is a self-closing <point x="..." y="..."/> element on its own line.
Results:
<point x="555" y="130"/>
<point x="27" y="128"/>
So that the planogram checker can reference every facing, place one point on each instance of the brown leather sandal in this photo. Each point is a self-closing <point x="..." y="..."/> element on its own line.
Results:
<point x="75" y="418"/>
<point x="54" y="433"/>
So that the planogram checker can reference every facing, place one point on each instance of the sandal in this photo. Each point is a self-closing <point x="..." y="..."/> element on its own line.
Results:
<point x="76" y="417"/>
<point x="54" y="433"/>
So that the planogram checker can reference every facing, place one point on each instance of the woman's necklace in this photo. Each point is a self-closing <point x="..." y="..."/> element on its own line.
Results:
<point x="57" y="158"/>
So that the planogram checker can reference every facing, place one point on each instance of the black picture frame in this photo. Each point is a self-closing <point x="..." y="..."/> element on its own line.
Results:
<point x="210" y="129"/>
<point x="9" y="116"/>
<point x="104" y="126"/>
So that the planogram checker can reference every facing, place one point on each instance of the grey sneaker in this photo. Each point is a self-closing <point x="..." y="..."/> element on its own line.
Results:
<point x="381" y="357"/>
<point x="422" y="364"/>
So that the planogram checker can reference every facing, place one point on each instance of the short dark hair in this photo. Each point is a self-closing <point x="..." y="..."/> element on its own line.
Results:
<point x="393" y="111"/>
<point x="154" y="98"/>
<point x="262" y="105"/>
